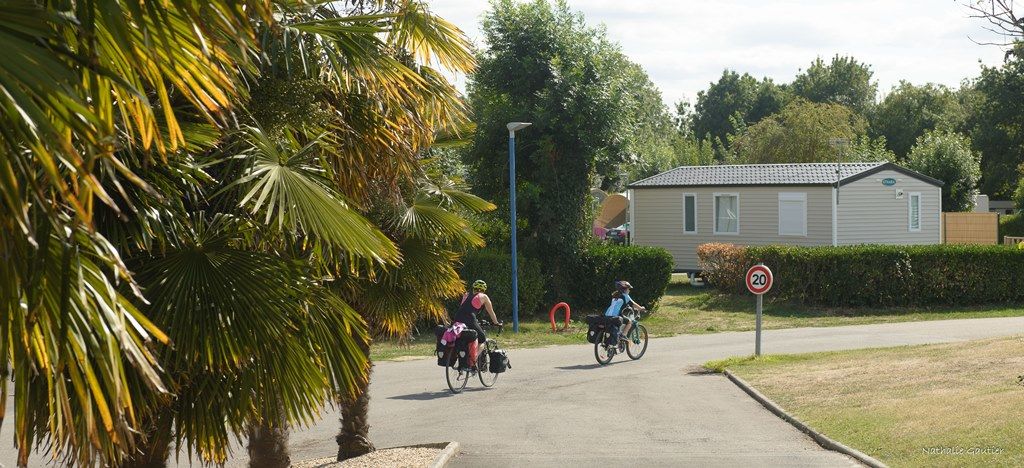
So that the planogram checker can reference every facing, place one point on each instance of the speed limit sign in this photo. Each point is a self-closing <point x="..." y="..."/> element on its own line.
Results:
<point x="759" y="279"/>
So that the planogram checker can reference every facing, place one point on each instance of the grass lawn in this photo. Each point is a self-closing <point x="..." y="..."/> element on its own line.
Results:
<point x="685" y="309"/>
<point x="953" y="404"/>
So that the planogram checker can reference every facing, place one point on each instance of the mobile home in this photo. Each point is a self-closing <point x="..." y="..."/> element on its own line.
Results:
<point x="794" y="204"/>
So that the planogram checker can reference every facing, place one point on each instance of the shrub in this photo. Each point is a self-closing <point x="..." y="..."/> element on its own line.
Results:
<point x="495" y="268"/>
<point x="722" y="264"/>
<point x="1011" y="225"/>
<point x="597" y="268"/>
<point x="882" y="276"/>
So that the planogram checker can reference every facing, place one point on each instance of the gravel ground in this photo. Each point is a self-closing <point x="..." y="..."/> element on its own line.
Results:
<point x="399" y="457"/>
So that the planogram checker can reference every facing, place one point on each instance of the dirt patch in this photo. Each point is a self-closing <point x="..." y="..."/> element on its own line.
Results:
<point x="399" y="457"/>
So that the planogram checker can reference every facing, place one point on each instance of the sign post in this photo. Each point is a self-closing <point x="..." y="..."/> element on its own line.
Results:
<point x="759" y="281"/>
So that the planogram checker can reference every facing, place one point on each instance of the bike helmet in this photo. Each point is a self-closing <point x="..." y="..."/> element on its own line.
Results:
<point x="479" y="285"/>
<point x="623" y="286"/>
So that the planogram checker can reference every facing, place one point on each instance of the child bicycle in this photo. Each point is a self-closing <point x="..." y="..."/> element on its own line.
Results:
<point x="634" y="343"/>
<point x="458" y="377"/>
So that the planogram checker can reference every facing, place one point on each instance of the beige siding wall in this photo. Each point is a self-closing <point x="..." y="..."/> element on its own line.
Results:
<point x="657" y="215"/>
<point x="869" y="212"/>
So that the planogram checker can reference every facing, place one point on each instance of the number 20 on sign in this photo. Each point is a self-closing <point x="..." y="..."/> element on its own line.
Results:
<point x="759" y="281"/>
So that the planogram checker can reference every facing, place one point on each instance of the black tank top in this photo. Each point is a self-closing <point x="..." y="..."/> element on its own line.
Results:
<point x="467" y="313"/>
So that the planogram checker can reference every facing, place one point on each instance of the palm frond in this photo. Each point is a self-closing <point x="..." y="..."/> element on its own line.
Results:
<point x="73" y="342"/>
<point x="286" y="187"/>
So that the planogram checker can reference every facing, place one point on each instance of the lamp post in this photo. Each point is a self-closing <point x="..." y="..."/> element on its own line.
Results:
<point x="512" y="127"/>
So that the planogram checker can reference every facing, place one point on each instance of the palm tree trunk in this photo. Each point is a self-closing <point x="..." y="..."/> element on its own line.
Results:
<point x="156" y="448"/>
<point x="268" y="444"/>
<point x="353" y="438"/>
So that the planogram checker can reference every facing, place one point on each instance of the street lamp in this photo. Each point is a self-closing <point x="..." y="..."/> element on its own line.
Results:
<point x="512" y="127"/>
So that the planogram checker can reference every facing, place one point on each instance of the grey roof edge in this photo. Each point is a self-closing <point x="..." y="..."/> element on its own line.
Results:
<point x="866" y="173"/>
<point x="893" y="167"/>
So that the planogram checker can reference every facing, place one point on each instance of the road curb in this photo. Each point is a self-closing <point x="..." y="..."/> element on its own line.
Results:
<point x="446" y="455"/>
<point x="818" y="437"/>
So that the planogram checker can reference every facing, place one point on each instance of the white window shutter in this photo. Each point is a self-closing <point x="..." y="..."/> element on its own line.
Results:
<point x="792" y="214"/>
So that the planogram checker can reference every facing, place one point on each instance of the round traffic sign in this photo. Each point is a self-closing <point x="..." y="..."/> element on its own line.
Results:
<point x="759" y="279"/>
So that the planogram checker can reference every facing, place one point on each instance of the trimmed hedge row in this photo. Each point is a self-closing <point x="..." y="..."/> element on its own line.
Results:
<point x="876" y="276"/>
<point x="599" y="266"/>
<point x="590" y="277"/>
<point x="495" y="268"/>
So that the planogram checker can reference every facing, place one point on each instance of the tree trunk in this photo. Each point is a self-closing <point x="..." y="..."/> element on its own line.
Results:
<point x="353" y="438"/>
<point x="153" y="451"/>
<point x="268" y="445"/>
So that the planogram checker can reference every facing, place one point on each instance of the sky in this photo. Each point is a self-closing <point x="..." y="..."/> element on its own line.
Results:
<point x="685" y="44"/>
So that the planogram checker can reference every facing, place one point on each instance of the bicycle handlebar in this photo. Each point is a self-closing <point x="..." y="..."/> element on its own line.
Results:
<point x="486" y="324"/>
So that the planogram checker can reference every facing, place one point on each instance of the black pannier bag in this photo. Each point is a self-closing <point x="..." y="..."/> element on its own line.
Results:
<point x="462" y="347"/>
<point x="438" y="333"/>
<point x="611" y="337"/>
<point x="440" y="350"/>
<point x="443" y="354"/>
<point x="595" y="327"/>
<point x="498" y="361"/>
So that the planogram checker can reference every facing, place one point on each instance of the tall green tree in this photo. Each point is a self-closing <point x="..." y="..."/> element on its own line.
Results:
<point x="948" y="157"/>
<point x="908" y="111"/>
<point x="843" y="81"/>
<point x="644" y="124"/>
<point x="734" y="99"/>
<point x="544" y="65"/>
<point x="800" y="133"/>
<point x="995" y="107"/>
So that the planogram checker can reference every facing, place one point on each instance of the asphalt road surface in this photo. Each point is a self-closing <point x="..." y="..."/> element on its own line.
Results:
<point x="557" y="407"/>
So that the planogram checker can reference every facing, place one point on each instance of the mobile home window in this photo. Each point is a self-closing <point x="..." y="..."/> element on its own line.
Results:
<point x="914" y="211"/>
<point x="689" y="213"/>
<point x="792" y="214"/>
<point x="727" y="213"/>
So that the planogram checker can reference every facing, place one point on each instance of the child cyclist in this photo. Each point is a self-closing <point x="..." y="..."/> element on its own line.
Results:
<point x="620" y="299"/>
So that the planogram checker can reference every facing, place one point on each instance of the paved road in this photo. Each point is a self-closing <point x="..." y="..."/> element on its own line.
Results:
<point x="556" y="407"/>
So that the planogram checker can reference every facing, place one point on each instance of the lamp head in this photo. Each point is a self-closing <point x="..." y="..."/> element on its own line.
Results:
<point x="513" y="126"/>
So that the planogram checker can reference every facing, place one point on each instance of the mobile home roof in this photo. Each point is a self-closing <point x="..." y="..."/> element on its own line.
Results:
<point x="772" y="174"/>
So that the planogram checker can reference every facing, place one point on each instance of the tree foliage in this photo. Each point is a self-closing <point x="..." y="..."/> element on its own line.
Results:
<point x="843" y="81"/>
<point x="734" y="100"/>
<point x="948" y="157"/>
<point x="995" y="123"/>
<point x="908" y="111"/>
<point x="592" y="112"/>
<point x="801" y="132"/>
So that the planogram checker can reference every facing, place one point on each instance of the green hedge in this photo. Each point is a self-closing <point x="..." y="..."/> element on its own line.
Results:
<point x="597" y="268"/>
<point x="887" y="276"/>
<point x="1011" y="225"/>
<point x="495" y="268"/>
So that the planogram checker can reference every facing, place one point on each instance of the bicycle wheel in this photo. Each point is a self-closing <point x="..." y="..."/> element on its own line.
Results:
<point x="636" y="345"/>
<point x="483" y="361"/>
<point x="457" y="378"/>
<point x="601" y="353"/>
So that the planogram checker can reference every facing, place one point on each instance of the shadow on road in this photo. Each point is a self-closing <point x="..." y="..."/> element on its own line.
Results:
<point x="426" y="396"/>
<point x="588" y="366"/>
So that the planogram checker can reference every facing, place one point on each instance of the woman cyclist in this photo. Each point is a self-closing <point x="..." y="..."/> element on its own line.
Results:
<point x="471" y="304"/>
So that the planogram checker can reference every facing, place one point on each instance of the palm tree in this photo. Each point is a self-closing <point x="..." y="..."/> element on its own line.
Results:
<point x="380" y="164"/>
<point x="84" y="81"/>
<point x="151" y="251"/>
<point x="431" y="235"/>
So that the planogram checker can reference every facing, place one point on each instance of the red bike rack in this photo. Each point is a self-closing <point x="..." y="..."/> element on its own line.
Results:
<point x="560" y="305"/>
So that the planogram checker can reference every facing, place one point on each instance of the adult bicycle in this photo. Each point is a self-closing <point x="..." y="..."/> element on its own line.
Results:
<point x="634" y="344"/>
<point x="458" y="377"/>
